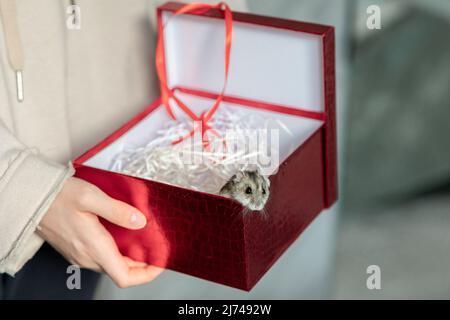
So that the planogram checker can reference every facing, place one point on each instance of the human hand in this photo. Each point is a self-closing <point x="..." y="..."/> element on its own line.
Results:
<point x="72" y="227"/>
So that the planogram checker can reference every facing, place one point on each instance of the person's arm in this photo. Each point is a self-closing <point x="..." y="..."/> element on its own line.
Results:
<point x="28" y="185"/>
<point x="36" y="192"/>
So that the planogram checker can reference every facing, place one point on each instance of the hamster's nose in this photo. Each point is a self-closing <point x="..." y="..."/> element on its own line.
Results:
<point x="259" y="205"/>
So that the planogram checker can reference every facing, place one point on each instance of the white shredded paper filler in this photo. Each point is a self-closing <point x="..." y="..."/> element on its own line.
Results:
<point x="187" y="164"/>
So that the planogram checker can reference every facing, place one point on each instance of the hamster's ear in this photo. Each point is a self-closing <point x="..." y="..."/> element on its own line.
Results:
<point x="238" y="176"/>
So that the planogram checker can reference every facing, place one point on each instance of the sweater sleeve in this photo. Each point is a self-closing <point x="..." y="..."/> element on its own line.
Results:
<point x="28" y="185"/>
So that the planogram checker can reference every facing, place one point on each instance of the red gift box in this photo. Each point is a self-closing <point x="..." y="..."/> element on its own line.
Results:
<point x="280" y="68"/>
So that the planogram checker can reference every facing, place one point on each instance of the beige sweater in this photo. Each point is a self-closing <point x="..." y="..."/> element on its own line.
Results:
<point x="79" y="86"/>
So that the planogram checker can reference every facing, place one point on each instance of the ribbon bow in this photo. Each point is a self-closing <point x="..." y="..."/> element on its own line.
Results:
<point x="167" y="93"/>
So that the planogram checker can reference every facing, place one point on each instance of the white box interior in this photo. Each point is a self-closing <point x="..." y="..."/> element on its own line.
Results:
<point x="267" y="64"/>
<point x="145" y="130"/>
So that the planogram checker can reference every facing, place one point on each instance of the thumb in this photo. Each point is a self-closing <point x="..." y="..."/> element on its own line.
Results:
<point x="115" y="211"/>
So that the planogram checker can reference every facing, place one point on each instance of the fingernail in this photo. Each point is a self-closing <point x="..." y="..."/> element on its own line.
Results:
<point x="138" y="219"/>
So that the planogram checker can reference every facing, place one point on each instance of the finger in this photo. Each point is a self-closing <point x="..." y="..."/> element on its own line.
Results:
<point x="141" y="275"/>
<point x="133" y="263"/>
<point x="124" y="271"/>
<point x="127" y="274"/>
<point x="115" y="211"/>
<point x="93" y="267"/>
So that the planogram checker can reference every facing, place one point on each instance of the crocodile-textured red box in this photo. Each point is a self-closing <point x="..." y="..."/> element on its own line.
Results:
<point x="281" y="68"/>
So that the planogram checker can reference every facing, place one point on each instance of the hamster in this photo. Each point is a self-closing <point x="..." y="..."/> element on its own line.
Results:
<point x="250" y="188"/>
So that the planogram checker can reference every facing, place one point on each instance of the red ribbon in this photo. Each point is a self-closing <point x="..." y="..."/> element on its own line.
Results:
<point x="167" y="93"/>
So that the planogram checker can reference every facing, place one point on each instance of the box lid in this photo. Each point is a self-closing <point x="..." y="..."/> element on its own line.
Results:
<point x="277" y="61"/>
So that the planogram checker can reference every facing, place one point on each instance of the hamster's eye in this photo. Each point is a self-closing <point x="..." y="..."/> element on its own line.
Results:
<point x="248" y="190"/>
<point x="263" y="191"/>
